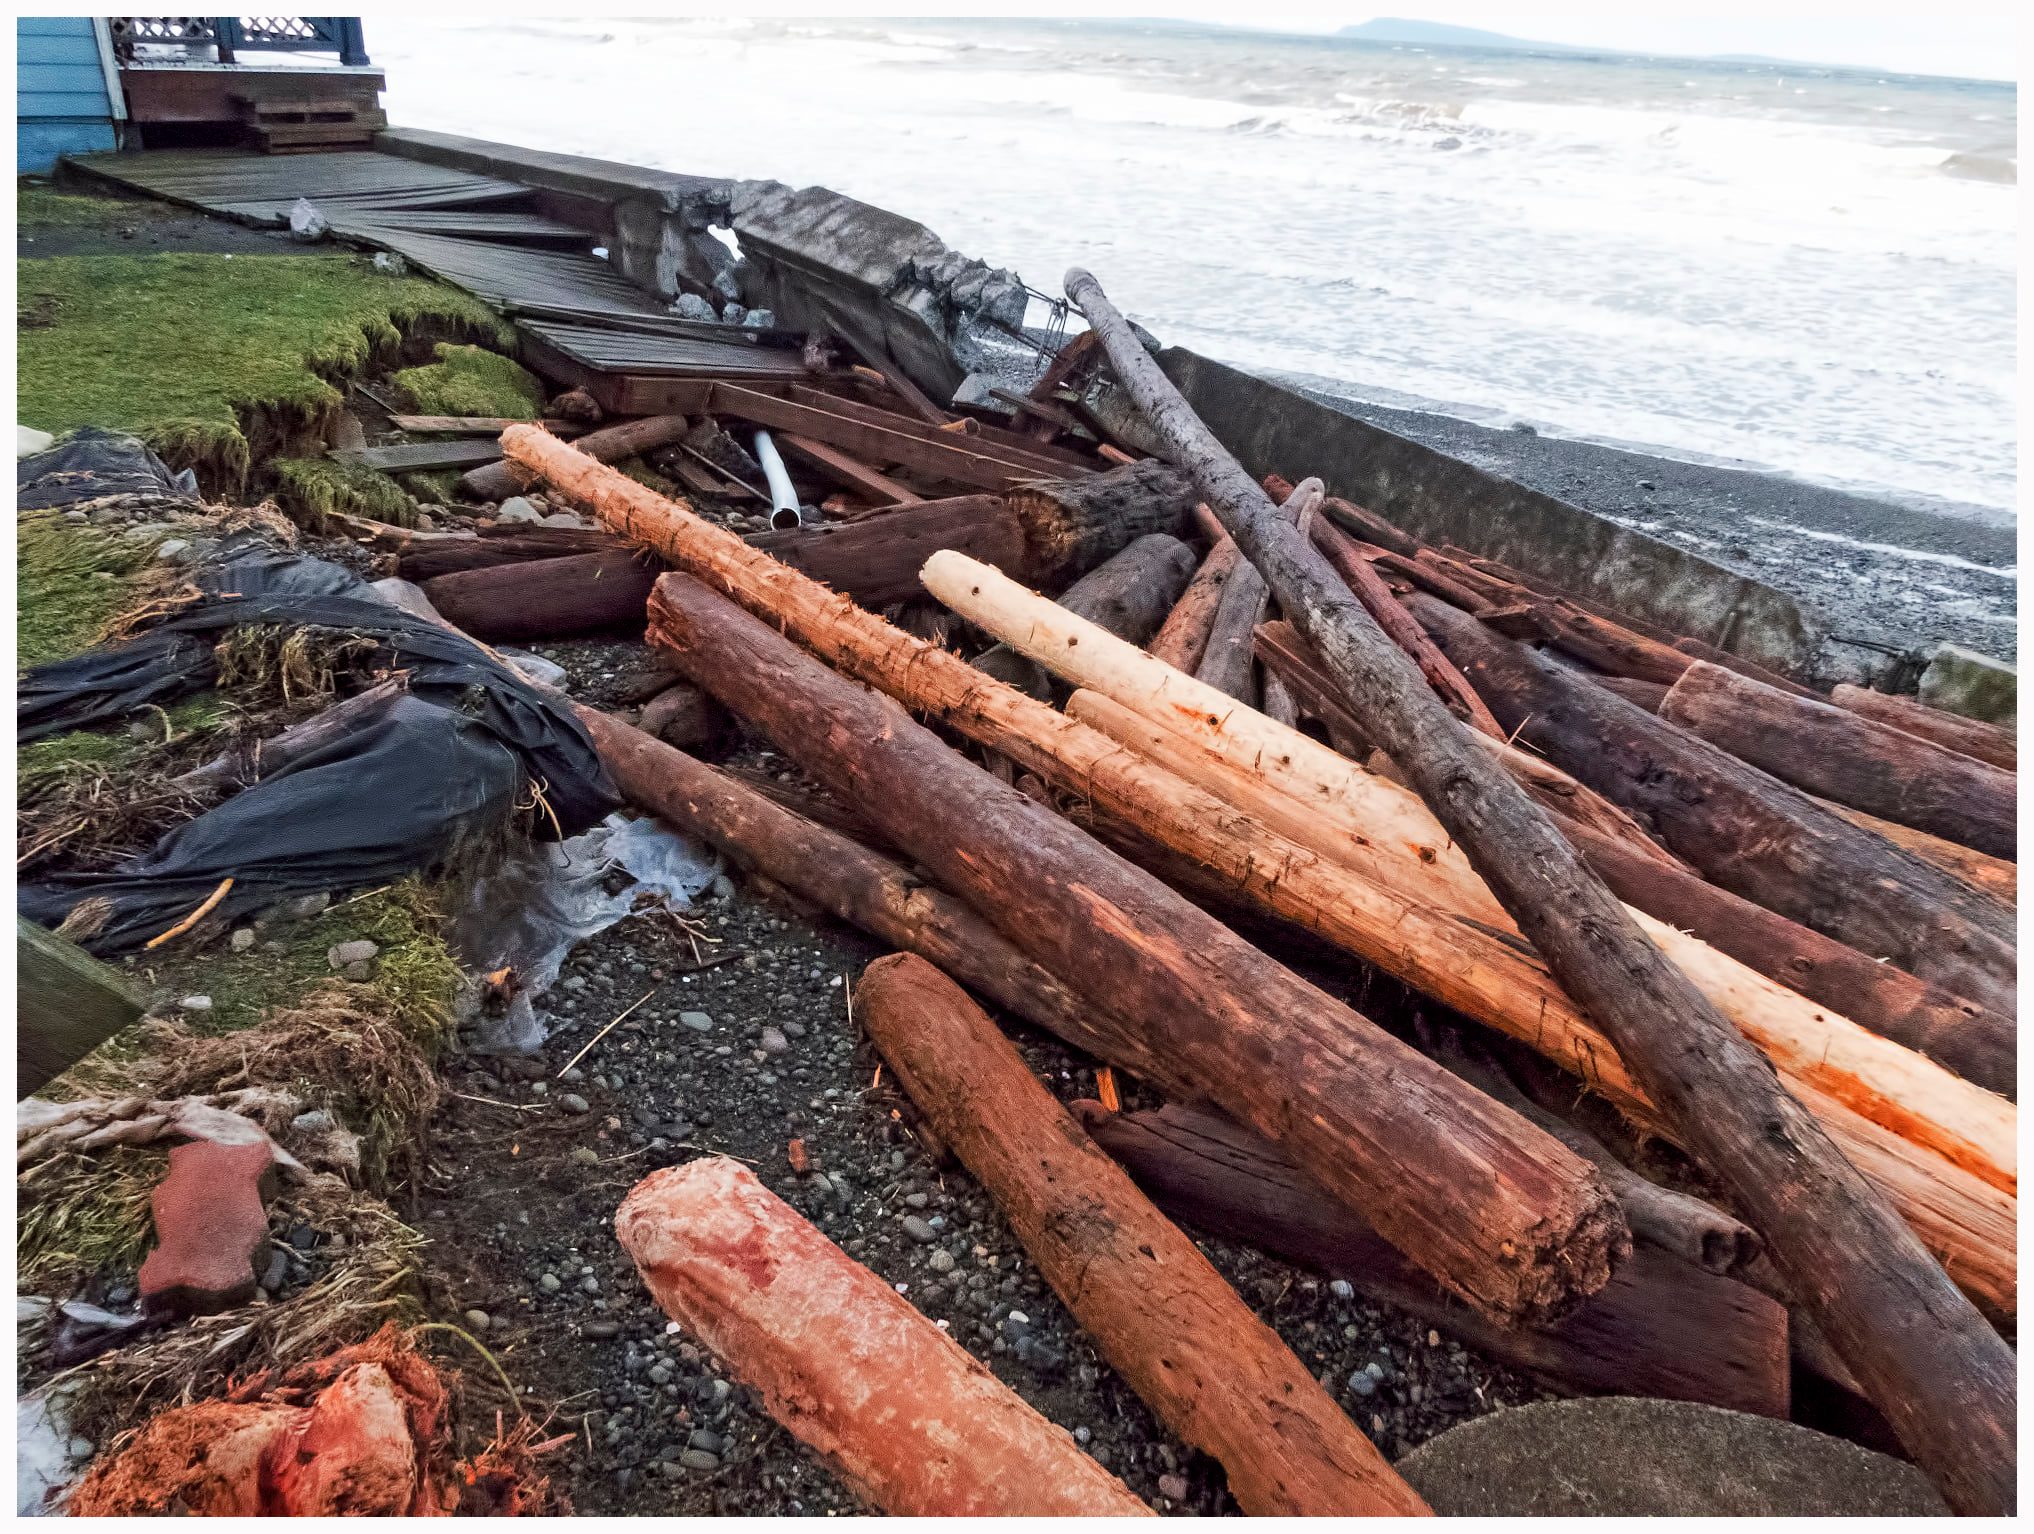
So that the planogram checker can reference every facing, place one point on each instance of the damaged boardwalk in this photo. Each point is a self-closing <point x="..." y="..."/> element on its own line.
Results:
<point x="1138" y="983"/>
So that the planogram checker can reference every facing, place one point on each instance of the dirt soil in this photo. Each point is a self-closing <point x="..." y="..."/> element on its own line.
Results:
<point x="735" y="1048"/>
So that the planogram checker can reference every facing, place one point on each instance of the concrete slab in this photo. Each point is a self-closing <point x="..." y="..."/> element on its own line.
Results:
<point x="1974" y="685"/>
<point x="1622" y="1457"/>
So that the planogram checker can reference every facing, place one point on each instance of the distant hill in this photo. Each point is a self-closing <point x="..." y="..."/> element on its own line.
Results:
<point x="1438" y="34"/>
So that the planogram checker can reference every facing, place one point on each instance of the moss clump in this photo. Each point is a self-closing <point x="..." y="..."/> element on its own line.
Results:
<point x="471" y="380"/>
<point x="220" y="362"/>
<point x="70" y="581"/>
<point x="436" y="487"/>
<point x="311" y="489"/>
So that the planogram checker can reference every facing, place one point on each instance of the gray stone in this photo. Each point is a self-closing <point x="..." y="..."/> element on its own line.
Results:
<point x="572" y="1102"/>
<point x="243" y="939"/>
<point x="698" y="1022"/>
<point x="723" y="886"/>
<point x="583" y="1155"/>
<point x="941" y="1261"/>
<point x="518" y="508"/>
<point x="344" y="955"/>
<point x="1341" y="1289"/>
<point x="759" y="319"/>
<point x="1363" y="1383"/>
<point x="478" y="1320"/>
<point x="600" y="1331"/>
<point x="563" y="519"/>
<point x="316" y="1122"/>
<point x="195" y="1004"/>
<point x="732" y="313"/>
<point x="550" y="1283"/>
<point x="1620" y="1457"/>
<point x="172" y="551"/>
<point x="1173" y="1486"/>
<point x="918" y="1230"/>
<point x="699" y="1459"/>
<point x="689" y="306"/>
<point x="1965" y="682"/>
<point x="306" y="905"/>
<point x="773" y="1042"/>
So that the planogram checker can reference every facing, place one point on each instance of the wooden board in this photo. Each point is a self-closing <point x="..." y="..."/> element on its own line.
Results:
<point x="417" y="457"/>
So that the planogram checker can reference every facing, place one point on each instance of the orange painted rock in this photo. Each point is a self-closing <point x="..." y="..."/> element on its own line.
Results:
<point x="885" y="1397"/>
<point x="202" y="1461"/>
<point x="352" y="1455"/>
<point x="211" y="1218"/>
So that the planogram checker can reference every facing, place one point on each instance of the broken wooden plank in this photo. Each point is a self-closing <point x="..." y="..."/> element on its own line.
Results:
<point x="67" y="1004"/>
<point x="477" y="425"/>
<point x="846" y="469"/>
<point x="417" y="457"/>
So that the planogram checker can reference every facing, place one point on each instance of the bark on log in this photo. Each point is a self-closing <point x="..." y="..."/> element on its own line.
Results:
<point x="876" y="561"/>
<point x="1645" y="695"/>
<point x="1993" y="876"/>
<point x="1153" y="1305"/>
<point x="547" y="598"/>
<point x="1228" y="659"/>
<point x="1972" y="737"/>
<point x="610" y="444"/>
<point x="1480" y="973"/>
<point x="1073" y="525"/>
<point x="1923" y="1353"/>
<point x="1183" y="638"/>
<point x="1399" y="625"/>
<point x="1353" y="520"/>
<point x="505" y="543"/>
<point x="1659" y="1328"/>
<point x="1472" y="1194"/>
<point x="1692" y="1229"/>
<point x="1379" y="830"/>
<point x="683" y="716"/>
<point x="1742" y="828"/>
<point x="888" y="1400"/>
<point x="1836" y="754"/>
<point x="1128" y="594"/>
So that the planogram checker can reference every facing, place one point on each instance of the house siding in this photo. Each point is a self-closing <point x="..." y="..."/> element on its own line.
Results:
<point x="61" y="101"/>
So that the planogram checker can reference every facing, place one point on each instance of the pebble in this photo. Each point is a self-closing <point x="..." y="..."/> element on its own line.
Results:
<point x="1362" y="1382"/>
<point x="584" y="1155"/>
<point x="478" y="1320"/>
<point x="550" y="1283"/>
<point x="773" y="1042"/>
<point x="172" y="551"/>
<point x="277" y="1272"/>
<point x="600" y="1331"/>
<point x="918" y="1230"/>
<point x="1173" y="1486"/>
<point x="572" y="1102"/>
<point x="343" y="955"/>
<point x="1341" y="1289"/>
<point x="941" y="1261"/>
<point x="243" y="939"/>
<point x="518" y="508"/>
<point x="195" y="1004"/>
<point x="699" y="1459"/>
<point x="698" y="1022"/>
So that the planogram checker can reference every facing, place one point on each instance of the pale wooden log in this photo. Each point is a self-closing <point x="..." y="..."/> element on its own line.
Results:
<point x="1837" y="754"/>
<point x="1471" y="1195"/>
<point x="1659" y="1328"/>
<point x="1128" y="594"/>
<point x="1926" y="1357"/>
<point x="1972" y="737"/>
<point x="1994" y="876"/>
<point x="884" y="1397"/>
<point x="1183" y="638"/>
<point x="1383" y="831"/>
<point x="1153" y="1305"/>
<point x="1743" y="828"/>
<point x="1279" y="703"/>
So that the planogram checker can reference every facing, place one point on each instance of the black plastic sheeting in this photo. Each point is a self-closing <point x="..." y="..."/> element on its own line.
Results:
<point x="449" y="758"/>
<point x="91" y="464"/>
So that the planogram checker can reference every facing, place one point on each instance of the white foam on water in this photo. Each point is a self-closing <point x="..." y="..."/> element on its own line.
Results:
<point x="2008" y="573"/>
<point x="1690" y="258"/>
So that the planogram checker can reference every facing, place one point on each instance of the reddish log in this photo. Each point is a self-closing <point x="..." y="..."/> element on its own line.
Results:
<point x="1973" y="737"/>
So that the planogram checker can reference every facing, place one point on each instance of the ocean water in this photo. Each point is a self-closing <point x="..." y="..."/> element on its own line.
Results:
<point x="1800" y="269"/>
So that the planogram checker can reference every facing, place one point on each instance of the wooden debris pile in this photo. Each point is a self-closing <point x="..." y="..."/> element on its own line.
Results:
<point x="1773" y="929"/>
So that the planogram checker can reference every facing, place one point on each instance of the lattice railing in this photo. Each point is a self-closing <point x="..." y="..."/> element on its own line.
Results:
<point x="226" y="35"/>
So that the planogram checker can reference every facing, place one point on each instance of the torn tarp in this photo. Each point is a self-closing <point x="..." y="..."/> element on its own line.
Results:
<point x="449" y="760"/>
<point x="90" y="465"/>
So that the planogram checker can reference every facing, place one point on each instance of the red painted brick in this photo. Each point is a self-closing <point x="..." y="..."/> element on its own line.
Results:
<point x="210" y="1220"/>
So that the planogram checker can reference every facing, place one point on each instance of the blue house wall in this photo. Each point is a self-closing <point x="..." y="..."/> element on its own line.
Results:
<point x="62" y="100"/>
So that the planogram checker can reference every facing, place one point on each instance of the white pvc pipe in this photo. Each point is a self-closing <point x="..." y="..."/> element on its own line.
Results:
<point x="784" y="508"/>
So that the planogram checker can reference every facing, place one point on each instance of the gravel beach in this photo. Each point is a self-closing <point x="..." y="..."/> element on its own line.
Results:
<point x="1871" y="565"/>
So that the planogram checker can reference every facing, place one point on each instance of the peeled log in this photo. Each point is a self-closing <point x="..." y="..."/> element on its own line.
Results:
<point x="1152" y="1304"/>
<point x="1659" y="1328"/>
<point x="1837" y="754"/>
<point x="1128" y="594"/>
<point x="1484" y="975"/>
<point x="914" y="1424"/>
<point x="1973" y="737"/>
<point x="1742" y="828"/>
<point x="1183" y="638"/>
<point x="1925" y="1357"/>
<point x="1500" y="1211"/>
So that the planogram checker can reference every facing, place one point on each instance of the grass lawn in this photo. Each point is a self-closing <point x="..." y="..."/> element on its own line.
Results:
<point x="220" y="362"/>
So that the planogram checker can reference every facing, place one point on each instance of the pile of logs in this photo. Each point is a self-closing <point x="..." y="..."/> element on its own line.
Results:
<point x="1770" y="927"/>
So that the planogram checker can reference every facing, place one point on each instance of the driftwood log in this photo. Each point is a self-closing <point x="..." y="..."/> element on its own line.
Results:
<point x="1837" y="754"/>
<point x="1228" y="658"/>
<point x="1128" y="594"/>
<point x="1973" y="737"/>
<point x="1480" y="973"/>
<point x="1994" y="876"/>
<point x="1659" y="1328"/>
<point x="887" y="1399"/>
<point x="504" y="543"/>
<point x="1153" y="1305"/>
<point x="1472" y="1194"/>
<point x="610" y="444"/>
<point x="546" y="598"/>
<point x="1183" y="638"/>
<point x="1071" y="525"/>
<point x="1924" y="1355"/>
<point x="1740" y="827"/>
